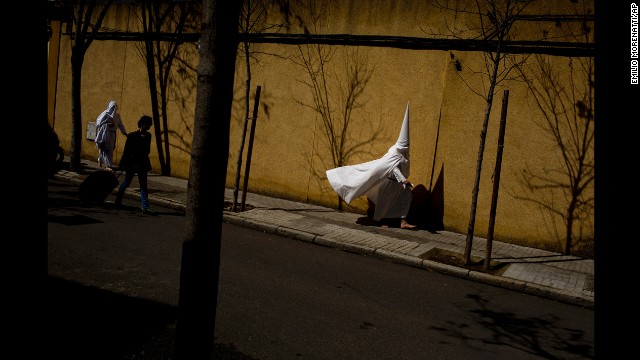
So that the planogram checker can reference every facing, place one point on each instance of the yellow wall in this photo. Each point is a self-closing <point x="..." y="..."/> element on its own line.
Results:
<point x="287" y="132"/>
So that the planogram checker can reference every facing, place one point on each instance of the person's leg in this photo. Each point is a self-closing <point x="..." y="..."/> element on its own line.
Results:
<point x="128" y="177"/>
<point x="100" y="154"/>
<point x="108" y="159"/>
<point x="405" y="201"/>
<point x="393" y="202"/>
<point x="144" y="195"/>
<point x="109" y="146"/>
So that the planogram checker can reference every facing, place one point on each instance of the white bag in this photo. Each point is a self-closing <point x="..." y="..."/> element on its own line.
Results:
<point x="91" y="131"/>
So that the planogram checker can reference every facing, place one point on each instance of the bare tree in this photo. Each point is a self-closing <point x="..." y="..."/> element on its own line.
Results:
<point x="85" y="24"/>
<point x="253" y="20"/>
<point x="491" y="21"/>
<point x="163" y="17"/>
<point x="200" y="266"/>
<point x="563" y="91"/>
<point x="336" y="96"/>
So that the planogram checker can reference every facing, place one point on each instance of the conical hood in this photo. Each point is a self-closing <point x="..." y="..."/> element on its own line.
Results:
<point x="403" y="139"/>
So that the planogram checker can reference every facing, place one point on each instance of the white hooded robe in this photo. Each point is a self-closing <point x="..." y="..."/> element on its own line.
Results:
<point x="380" y="180"/>
<point x="106" y="124"/>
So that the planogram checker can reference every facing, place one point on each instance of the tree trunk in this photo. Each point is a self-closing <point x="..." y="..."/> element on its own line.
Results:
<point x="256" y="103"/>
<point x="244" y="128"/>
<point x="200" y="266"/>
<point x="496" y="181"/>
<point x="166" y="170"/>
<point x="476" y="184"/>
<point x="153" y="91"/>
<point x="82" y="39"/>
<point x="77" y="58"/>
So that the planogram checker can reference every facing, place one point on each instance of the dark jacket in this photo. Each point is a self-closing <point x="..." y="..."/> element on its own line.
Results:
<point x="136" y="152"/>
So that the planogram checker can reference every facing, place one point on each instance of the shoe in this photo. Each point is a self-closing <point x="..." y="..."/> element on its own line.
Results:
<point x="149" y="211"/>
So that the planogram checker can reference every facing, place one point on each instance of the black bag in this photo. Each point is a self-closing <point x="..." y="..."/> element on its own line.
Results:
<point x="97" y="186"/>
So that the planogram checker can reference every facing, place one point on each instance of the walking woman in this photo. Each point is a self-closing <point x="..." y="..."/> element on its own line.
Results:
<point x="106" y="125"/>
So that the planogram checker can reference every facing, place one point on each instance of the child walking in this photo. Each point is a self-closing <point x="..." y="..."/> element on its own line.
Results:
<point x="135" y="160"/>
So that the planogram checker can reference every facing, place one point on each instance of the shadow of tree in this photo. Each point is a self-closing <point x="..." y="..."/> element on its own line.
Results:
<point x="564" y="192"/>
<point x="544" y="337"/>
<point x="337" y="79"/>
<point x="562" y="90"/>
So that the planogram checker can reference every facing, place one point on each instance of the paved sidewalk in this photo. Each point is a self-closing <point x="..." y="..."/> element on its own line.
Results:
<point x="542" y="273"/>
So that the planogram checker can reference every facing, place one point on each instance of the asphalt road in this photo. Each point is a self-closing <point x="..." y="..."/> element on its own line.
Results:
<point x="113" y="294"/>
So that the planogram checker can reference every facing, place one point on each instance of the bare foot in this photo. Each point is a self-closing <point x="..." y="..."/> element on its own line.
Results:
<point x="384" y="226"/>
<point x="405" y="225"/>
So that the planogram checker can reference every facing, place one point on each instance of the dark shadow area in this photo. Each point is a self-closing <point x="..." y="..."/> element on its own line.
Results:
<point x="542" y="336"/>
<point x="63" y="165"/>
<point x="72" y="219"/>
<point x="55" y="153"/>
<point x="431" y="210"/>
<point x="66" y="195"/>
<point x="89" y="323"/>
